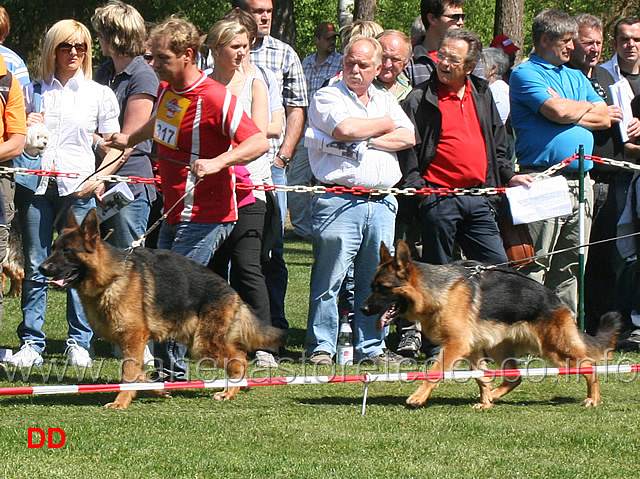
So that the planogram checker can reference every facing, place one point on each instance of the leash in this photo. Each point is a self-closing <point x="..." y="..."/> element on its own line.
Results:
<point x="137" y="243"/>
<point x="481" y="268"/>
<point x="69" y="197"/>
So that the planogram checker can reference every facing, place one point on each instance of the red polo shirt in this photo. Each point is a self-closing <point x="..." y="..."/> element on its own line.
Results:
<point x="461" y="156"/>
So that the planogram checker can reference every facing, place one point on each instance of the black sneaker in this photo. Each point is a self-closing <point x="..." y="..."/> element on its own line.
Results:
<point x="410" y="344"/>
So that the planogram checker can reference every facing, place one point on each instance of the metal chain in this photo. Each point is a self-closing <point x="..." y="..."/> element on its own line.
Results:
<point x="318" y="189"/>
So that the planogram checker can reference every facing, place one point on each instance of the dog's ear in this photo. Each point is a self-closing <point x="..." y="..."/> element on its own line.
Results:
<point x="71" y="220"/>
<point x="403" y="255"/>
<point x="91" y="230"/>
<point x="385" y="256"/>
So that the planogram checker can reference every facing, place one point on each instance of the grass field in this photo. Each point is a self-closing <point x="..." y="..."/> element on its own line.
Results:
<point x="540" y="430"/>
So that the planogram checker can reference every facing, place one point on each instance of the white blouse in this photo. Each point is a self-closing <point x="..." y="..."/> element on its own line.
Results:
<point x="72" y="113"/>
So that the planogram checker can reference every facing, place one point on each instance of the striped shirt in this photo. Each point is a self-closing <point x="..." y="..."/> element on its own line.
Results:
<point x="15" y="65"/>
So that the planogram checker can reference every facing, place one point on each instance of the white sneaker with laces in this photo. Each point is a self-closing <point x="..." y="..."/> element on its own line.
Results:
<point x="78" y="356"/>
<point x="27" y="356"/>
<point x="265" y="359"/>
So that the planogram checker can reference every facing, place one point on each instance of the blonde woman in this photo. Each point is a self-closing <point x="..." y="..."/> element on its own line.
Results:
<point x="238" y="259"/>
<point x="73" y="107"/>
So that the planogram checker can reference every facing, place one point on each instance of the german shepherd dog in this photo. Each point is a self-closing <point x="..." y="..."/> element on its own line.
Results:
<point x="132" y="296"/>
<point x="472" y="311"/>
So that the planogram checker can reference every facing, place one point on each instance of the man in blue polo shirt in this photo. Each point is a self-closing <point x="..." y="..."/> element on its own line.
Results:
<point x="553" y="110"/>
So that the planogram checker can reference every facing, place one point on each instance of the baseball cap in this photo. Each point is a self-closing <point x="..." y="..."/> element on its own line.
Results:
<point x="504" y="42"/>
<point x="325" y="29"/>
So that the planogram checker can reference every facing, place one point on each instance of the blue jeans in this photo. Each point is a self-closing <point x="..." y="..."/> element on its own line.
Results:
<point x="196" y="241"/>
<point x="347" y="231"/>
<point x="129" y="223"/>
<point x="300" y="203"/>
<point x="36" y="214"/>
<point x="275" y="269"/>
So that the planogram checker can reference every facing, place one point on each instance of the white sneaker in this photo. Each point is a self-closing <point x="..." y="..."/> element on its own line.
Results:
<point x="27" y="356"/>
<point x="265" y="359"/>
<point x="147" y="358"/>
<point x="78" y="356"/>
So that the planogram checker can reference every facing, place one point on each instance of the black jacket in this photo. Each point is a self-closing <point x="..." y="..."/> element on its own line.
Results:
<point x="422" y="108"/>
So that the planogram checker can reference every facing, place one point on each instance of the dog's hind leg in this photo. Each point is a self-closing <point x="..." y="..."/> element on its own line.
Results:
<point x="235" y="367"/>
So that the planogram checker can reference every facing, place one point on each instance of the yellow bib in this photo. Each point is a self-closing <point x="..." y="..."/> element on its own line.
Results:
<point x="169" y="116"/>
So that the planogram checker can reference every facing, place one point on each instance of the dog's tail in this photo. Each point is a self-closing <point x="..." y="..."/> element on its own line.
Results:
<point x="601" y="345"/>
<point x="249" y="332"/>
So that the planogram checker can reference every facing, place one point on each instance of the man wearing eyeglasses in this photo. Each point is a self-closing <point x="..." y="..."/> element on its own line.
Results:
<point x="460" y="144"/>
<point x="438" y="17"/>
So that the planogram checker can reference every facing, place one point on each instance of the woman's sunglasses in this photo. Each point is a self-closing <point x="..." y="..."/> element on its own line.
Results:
<point x="65" y="47"/>
<point x="148" y="57"/>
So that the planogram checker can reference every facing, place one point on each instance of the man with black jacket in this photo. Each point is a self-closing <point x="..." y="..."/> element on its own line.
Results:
<point x="460" y="143"/>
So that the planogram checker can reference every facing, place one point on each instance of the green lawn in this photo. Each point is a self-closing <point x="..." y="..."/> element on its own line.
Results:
<point x="541" y="430"/>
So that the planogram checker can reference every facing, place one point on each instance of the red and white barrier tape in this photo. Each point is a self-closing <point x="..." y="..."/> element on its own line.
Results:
<point x="307" y="380"/>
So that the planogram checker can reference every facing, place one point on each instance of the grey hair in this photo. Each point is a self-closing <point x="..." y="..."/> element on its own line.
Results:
<point x="552" y="23"/>
<point x="588" y="20"/>
<point x="495" y="57"/>
<point x="474" y="42"/>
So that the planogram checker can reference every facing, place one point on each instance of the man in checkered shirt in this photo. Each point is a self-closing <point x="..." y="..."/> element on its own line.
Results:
<point x="319" y="68"/>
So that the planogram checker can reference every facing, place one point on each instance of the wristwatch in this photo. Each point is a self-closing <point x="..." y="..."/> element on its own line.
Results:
<point x="284" y="159"/>
<point x="370" y="142"/>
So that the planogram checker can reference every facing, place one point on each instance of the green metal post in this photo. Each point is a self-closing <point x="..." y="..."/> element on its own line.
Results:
<point x="581" y="240"/>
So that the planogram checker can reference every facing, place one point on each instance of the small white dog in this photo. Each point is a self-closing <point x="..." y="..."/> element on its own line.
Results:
<point x="37" y="139"/>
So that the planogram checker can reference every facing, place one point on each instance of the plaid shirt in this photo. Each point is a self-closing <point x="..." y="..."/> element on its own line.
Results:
<point x="316" y="76"/>
<point x="280" y="58"/>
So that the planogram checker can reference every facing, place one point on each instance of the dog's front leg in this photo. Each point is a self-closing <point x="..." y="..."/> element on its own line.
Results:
<point x="449" y="354"/>
<point x="132" y="353"/>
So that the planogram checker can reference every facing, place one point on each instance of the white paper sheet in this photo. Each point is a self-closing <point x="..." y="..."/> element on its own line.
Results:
<point x="545" y="199"/>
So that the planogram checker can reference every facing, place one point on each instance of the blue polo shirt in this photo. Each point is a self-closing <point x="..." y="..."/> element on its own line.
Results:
<point x="541" y="142"/>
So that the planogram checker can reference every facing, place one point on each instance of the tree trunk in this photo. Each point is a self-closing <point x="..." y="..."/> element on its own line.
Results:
<point x="509" y="20"/>
<point x="283" y="23"/>
<point x="365" y="10"/>
<point x="345" y="15"/>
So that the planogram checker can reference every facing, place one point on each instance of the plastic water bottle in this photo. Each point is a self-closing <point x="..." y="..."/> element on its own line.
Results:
<point x="345" y="341"/>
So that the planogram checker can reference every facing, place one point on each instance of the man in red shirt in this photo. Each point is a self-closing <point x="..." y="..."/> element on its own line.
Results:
<point x="461" y="144"/>
<point x="195" y="122"/>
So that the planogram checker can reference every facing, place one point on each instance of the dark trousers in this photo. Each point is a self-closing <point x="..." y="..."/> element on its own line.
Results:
<point x="466" y="220"/>
<point x="238" y="260"/>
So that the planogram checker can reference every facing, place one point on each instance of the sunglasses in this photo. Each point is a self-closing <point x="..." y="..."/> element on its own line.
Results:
<point x="65" y="47"/>
<point x="456" y="17"/>
<point x="148" y="57"/>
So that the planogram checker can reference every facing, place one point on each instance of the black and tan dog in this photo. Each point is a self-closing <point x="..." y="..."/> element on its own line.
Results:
<point x="472" y="311"/>
<point x="131" y="297"/>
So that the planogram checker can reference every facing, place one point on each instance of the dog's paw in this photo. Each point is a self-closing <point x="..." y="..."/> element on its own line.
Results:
<point x="590" y="402"/>
<point x="483" y="405"/>
<point x="415" y="401"/>
<point x="224" y="396"/>
<point x="116" y="405"/>
<point x="161" y="393"/>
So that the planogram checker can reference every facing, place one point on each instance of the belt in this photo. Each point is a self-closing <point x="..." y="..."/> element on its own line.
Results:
<point x="364" y="196"/>
<point x="569" y="175"/>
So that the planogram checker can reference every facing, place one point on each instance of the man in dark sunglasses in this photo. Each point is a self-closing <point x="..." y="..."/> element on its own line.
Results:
<point x="438" y="16"/>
